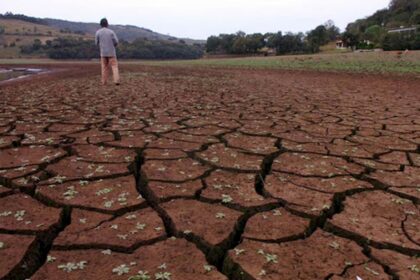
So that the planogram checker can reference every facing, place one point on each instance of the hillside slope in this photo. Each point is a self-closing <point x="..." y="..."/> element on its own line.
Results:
<point x="396" y="27"/>
<point x="398" y="13"/>
<point x="15" y="33"/>
<point x="27" y="37"/>
<point x="124" y="32"/>
<point x="36" y="35"/>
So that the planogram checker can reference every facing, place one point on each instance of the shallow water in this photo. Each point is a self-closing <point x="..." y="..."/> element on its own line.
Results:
<point x="8" y="74"/>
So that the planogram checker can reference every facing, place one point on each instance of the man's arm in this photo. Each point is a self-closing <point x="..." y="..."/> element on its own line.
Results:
<point x="97" y="39"/>
<point x="114" y="39"/>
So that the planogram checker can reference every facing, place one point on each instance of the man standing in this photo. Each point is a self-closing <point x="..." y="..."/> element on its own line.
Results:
<point x="106" y="39"/>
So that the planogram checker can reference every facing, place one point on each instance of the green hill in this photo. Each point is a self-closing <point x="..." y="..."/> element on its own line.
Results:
<point x="398" y="13"/>
<point x="128" y="33"/>
<point x="396" y="27"/>
<point x="124" y="32"/>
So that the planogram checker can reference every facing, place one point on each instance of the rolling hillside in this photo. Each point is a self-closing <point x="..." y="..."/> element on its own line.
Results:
<point x="396" y="27"/>
<point x="16" y="33"/>
<point x="398" y="13"/>
<point x="21" y="30"/>
<point x="124" y="32"/>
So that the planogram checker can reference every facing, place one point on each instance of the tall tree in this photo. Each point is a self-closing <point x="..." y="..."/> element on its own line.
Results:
<point x="213" y="44"/>
<point x="317" y="38"/>
<point x="332" y="30"/>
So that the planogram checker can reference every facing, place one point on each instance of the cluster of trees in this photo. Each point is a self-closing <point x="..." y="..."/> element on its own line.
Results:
<point x="287" y="43"/>
<point x="62" y="48"/>
<point x="241" y="43"/>
<point x="322" y="35"/>
<point x="375" y="28"/>
<point x="401" y="12"/>
<point x="158" y="49"/>
<point x="238" y="43"/>
<point x="71" y="48"/>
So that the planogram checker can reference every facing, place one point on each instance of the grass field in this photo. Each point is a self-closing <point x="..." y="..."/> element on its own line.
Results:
<point x="370" y="62"/>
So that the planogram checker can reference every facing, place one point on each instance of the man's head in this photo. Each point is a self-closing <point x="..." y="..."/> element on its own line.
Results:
<point x="104" y="22"/>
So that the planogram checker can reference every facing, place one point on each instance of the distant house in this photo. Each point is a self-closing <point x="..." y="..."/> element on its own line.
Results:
<point x="267" y="51"/>
<point x="340" y="45"/>
<point x="402" y="29"/>
<point x="367" y="42"/>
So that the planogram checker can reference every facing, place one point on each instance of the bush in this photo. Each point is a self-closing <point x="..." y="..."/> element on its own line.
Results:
<point x="415" y="44"/>
<point x="68" y="48"/>
<point x="401" y="41"/>
<point x="365" y="46"/>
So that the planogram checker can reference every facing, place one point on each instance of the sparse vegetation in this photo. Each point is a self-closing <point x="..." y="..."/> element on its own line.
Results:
<point x="371" y="62"/>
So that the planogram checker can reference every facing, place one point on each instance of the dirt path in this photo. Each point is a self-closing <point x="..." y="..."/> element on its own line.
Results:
<point x="183" y="174"/>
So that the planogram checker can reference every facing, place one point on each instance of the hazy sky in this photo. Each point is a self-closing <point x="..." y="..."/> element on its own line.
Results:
<point x="200" y="18"/>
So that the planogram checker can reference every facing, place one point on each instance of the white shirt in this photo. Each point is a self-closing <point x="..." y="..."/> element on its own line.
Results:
<point x="107" y="40"/>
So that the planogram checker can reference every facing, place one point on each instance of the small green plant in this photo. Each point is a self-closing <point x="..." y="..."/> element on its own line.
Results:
<point x="70" y="266"/>
<point x="239" y="251"/>
<point x="140" y="226"/>
<point x="220" y="216"/>
<point x="107" y="252"/>
<point x="163" y="276"/>
<point x="334" y="245"/>
<point x="208" y="268"/>
<point x="141" y="275"/>
<point x="226" y="198"/>
<point x="270" y="258"/>
<point x="121" y="269"/>
<point x="414" y="268"/>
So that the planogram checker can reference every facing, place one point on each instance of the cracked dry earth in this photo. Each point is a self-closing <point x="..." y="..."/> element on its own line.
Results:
<point x="211" y="174"/>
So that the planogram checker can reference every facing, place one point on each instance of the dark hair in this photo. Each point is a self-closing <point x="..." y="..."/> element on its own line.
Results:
<point x="104" y="22"/>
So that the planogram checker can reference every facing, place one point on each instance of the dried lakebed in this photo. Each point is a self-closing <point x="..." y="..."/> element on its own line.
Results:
<point x="187" y="173"/>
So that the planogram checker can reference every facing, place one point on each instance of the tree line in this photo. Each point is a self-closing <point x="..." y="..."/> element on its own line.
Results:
<point x="158" y="49"/>
<point x="368" y="33"/>
<point x="73" y="48"/>
<point x="282" y="43"/>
